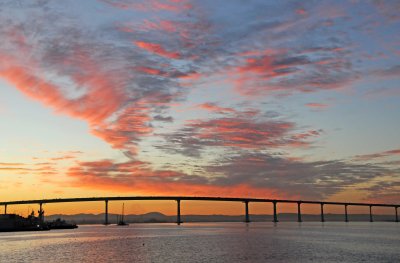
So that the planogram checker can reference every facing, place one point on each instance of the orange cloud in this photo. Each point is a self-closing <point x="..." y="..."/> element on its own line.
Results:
<point x="157" y="49"/>
<point x="103" y="98"/>
<point x="215" y="108"/>
<point x="136" y="176"/>
<point x="151" y="71"/>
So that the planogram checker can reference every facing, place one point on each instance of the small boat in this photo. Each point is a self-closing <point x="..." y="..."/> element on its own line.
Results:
<point x="121" y="221"/>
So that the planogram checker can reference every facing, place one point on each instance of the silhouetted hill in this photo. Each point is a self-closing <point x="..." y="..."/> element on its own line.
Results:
<point x="156" y="217"/>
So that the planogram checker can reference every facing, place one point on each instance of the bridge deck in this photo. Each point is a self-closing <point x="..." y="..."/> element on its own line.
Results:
<point x="186" y="198"/>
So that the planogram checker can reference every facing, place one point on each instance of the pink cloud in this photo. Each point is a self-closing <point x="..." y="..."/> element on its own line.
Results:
<point x="314" y="105"/>
<point x="244" y="132"/>
<point x="164" y="25"/>
<point x="282" y="73"/>
<point x="151" y="71"/>
<point x="103" y="98"/>
<point x="301" y="11"/>
<point x="157" y="49"/>
<point x="215" y="108"/>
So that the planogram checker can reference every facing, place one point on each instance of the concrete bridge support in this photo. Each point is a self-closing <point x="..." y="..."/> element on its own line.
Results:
<point x="299" y="212"/>
<point x="322" y="213"/>
<point x="106" y="213"/>
<point x="178" y="214"/>
<point x="370" y="214"/>
<point x="41" y="213"/>
<point x="246" y="210"/>
<point x="346" y="218"/>
<point x="275" y="213"/>
<point x="397" y="218"/>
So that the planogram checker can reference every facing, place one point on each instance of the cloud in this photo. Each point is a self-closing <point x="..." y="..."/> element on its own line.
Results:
<point x="315" y="105"/>
<point x="316" y="180"/>
<point x="157" y="49"/>
<point x="163" y="118"/>
<point x="14" y="169"/>
<point x="85" y="78"/>
<point x="150" y="5"/>
<point x="11" y="164"/>
<point x="243" y="130"/>
<point x="246" y="174"/>
<point x="277" y="71"/>
<point x="215" y="108"/>
<point x="301" y="11"/>
<point x="377" y="93"/>
<point x="384" y="191"/>
<point x="367" y="157"/>
<point x="391" y="72"/>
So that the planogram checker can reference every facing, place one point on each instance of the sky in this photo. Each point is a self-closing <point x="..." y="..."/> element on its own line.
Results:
<point x="268" y="99"/>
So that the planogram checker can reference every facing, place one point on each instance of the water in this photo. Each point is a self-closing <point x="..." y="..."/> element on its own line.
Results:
<point x="208" y="242"/>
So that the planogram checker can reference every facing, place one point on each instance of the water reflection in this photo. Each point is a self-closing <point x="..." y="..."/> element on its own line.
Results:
<point x="207" y="242"/>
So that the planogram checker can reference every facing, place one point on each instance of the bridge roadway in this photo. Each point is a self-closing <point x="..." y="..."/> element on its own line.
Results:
<point x="178" y="199"/>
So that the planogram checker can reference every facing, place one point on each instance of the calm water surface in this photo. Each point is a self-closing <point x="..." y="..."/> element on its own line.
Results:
<point x="208" y="242"/>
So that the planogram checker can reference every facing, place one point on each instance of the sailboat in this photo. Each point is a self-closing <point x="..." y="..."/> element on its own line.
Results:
<point x="121" y="221"/>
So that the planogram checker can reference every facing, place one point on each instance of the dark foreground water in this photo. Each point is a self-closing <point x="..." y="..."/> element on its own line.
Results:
<point x="208" y="242"/>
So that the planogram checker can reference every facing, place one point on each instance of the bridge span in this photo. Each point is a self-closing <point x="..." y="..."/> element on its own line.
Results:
<point x="178" y="199"/>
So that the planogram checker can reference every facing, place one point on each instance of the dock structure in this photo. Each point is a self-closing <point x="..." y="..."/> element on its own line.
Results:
<point x="178" y="200"/>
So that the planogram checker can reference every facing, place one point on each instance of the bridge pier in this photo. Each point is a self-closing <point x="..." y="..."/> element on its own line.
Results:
<point x="370" y="214"/>
<point x="246" y="210"/>
<point x="299" y="212"/>
<point x="346" y="219"/>
<point x="275" y="214"/>
<point x="106" y="213"/>
<point x="5" y="210"/>
<point x="322" y="213"/>
<point x="178" y="214"/>
<point x="41" y="213"/>
<point x="397" y="218"/>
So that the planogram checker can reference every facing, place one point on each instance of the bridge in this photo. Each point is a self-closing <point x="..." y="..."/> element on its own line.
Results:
<point x="178" y="200"/>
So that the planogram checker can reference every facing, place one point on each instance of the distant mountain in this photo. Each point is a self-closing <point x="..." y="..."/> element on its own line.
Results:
<point x="156" y="217"/>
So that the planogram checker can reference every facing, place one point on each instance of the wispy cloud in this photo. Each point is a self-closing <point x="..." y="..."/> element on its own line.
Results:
<point x="390" y="153"/>
<point x="242" y="130"/>
<point x="315" y="105"/>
